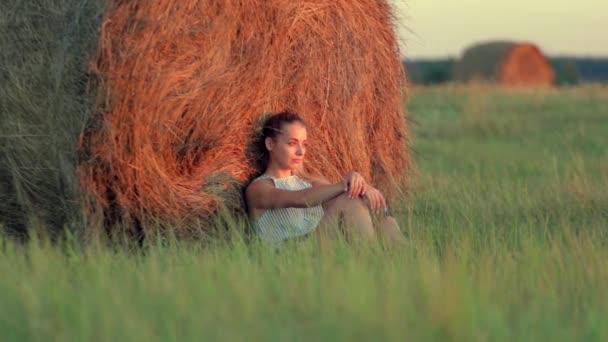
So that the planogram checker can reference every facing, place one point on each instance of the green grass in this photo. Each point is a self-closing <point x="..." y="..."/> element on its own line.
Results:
<point x="507" y="223"/>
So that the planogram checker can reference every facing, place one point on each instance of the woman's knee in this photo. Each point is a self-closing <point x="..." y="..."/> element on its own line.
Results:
<point x="346" y="204"/>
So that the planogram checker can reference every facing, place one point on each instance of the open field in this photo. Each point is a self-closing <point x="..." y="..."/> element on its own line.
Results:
<point x="507" y="226"/>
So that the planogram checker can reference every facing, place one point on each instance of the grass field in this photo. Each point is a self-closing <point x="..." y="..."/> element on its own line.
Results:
<point x="507" y="227"/>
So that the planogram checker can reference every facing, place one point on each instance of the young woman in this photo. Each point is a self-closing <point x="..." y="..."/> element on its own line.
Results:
<point x="284" y="203"/>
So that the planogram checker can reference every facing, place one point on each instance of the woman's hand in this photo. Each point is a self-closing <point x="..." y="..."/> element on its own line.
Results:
<point x="376" y="200"/>
<point x="354" y="184"/>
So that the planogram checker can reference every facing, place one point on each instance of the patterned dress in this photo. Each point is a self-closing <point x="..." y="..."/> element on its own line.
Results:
<point x="280" y="224"/>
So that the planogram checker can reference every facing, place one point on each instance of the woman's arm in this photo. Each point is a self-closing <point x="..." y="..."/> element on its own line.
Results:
<point x="316" y="181"/>
<point x="374" y="197"/>
<point x="263" y="195"/>
<point x="355" y="183"/>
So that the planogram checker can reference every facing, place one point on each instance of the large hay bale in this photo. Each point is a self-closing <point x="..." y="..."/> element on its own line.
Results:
<point x="506" y="63"/>
<point x="182" y="84"/>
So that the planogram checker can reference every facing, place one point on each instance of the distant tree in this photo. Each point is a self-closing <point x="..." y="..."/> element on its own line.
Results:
<point x="438" y="73"/>
<point x="588" y="69"/>
<point x="430" y="72"/>
<point x="567" y="74"/>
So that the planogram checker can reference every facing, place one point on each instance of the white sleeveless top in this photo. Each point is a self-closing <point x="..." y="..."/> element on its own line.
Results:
<point x="279" y="224"/>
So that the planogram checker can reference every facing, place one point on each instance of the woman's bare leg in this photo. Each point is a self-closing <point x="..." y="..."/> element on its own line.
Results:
<point x="388" y="230"/>
<point x="328" y="228"/>
<point x="357" y="220"/>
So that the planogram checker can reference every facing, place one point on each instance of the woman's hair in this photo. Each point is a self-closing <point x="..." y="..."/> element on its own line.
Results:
<point x="272" y="126"/>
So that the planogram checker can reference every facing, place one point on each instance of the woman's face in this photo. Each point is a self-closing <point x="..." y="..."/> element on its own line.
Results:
<point x="288" y="148"/>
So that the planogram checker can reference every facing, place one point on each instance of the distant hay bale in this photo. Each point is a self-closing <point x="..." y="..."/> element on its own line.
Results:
<point x="505" y="63"/>
<point x="182" y="85"/>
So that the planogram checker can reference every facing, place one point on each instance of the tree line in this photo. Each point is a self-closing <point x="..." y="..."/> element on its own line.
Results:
<point x="568" y="70"/>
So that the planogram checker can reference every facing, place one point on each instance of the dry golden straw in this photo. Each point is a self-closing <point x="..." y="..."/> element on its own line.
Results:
<point x="506" y="63"/>
<point x="182" y="85"/>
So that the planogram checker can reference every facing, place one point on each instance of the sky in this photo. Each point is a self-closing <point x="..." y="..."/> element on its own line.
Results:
<point x="444" y="28"/>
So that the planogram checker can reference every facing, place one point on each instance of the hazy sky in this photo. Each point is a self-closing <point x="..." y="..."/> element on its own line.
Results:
<point x="441" y="28"/>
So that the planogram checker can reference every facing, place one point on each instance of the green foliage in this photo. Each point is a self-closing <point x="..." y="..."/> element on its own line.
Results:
<point x="566" y="73"/>
<point x="44" y="46"/>
<point x="571" y="70"/>
<point x="429" y="72"/>
<point x="507" y="241"/>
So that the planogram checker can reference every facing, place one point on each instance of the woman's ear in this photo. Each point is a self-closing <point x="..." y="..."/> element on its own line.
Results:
<point x="269" y="143"/>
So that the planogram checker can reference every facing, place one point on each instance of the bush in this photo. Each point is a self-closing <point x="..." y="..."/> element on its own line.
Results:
<point x="567" y="74"/>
